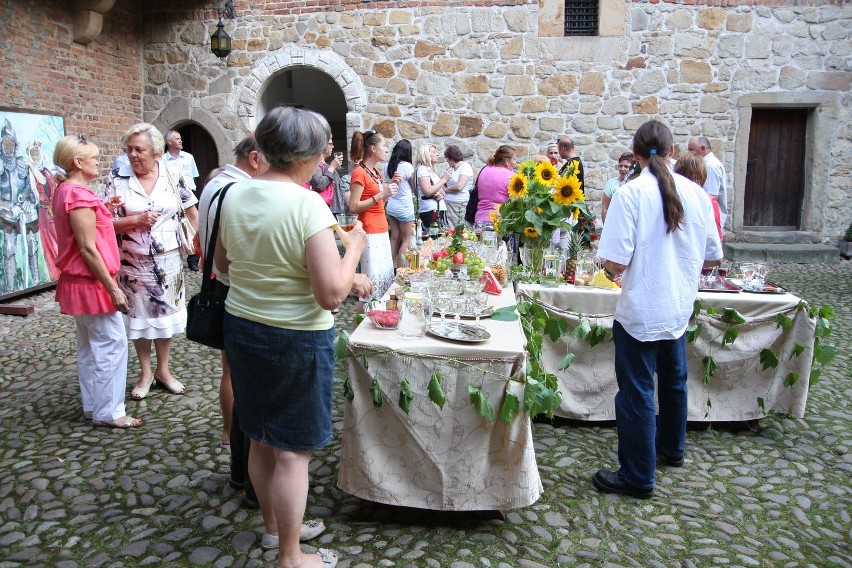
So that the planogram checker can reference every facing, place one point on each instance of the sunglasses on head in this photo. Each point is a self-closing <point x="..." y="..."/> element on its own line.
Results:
<point x="81" y="139"/>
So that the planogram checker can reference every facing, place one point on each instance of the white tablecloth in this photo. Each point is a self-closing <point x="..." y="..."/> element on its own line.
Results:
<point x="434" y="458"/>
<point x="588" y="385"/>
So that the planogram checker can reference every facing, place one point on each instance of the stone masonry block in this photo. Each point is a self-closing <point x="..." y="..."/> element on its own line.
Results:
<point x="469" y="126"/>
<point x="517" y="85"/>
<point x="557" y="85"/>
<point x="592" y="84"/>
<point x="444" y="125"/>
<point x="472" y="84"/>
<point x="711" y="18"/>
<point x="695" y="71"/>
<point x="426" y="49"/>
<point x="739" y="22"/>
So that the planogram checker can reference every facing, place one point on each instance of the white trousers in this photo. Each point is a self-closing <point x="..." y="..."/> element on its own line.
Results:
<point x="102" y="365"/>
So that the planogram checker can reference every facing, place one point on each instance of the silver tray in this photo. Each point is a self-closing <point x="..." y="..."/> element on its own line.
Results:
<point x="768" y="287"/>
<point x="484" y="315"/>
<point x="467" y="333"/>
<point x="728" y="288"/>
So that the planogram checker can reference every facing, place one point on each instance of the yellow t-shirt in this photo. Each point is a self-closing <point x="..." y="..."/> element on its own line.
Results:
<point x="264" y="227"/>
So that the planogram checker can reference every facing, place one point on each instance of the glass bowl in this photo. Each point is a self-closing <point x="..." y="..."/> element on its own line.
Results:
<point x="381" y="317"/>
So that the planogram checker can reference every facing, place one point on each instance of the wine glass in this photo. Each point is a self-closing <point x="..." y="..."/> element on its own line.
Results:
<point x="459" y="304"/>
<point x="443" y="301"/>
<point x="479" y="303"/>
<point x="749" y="270"/>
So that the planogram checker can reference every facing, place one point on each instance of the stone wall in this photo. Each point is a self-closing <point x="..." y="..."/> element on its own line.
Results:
<point x="96" y="87"/>
<point x="479" y="77"/>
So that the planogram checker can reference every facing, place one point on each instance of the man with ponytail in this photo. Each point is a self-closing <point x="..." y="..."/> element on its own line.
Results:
<point x="662" y="235"/>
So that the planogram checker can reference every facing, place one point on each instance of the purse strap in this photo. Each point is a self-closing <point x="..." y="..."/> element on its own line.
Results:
<point x="206" y="282"/>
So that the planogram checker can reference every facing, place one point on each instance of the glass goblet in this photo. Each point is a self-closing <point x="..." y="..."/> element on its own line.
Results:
<point x="479" y="303"/>
<point x="459" y="305"/>
<point x="443" y="302"/>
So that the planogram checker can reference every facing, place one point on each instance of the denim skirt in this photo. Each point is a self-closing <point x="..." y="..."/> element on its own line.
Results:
<point x="283" y="382"/>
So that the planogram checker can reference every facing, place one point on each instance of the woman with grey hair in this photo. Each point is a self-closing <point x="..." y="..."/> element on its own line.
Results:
<point x="147" y="198"/>
<point x="276" y="242"/>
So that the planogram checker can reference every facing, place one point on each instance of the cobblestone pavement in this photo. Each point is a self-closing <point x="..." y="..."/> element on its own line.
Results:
<point x="72" y="495"/>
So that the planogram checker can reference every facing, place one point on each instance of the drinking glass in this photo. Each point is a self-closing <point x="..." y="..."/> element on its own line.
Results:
<point x="116" y="203"/>
<point x="550" y="271"/>
<point x="479" y="303"/>
<point x="459" y="306"/>
<point x="749" y="270"/>
<point x="346" y="221"/>
<point x="489" y="238"/>
<point x="443" y="303"/>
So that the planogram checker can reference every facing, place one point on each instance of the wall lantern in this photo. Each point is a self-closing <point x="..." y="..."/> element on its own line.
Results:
<point x="220" y="41"/>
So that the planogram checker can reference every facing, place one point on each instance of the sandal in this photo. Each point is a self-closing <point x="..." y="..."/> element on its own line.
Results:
<point x="87" y="414"/>
<point x="174" y="386"/>
<point x="122" y="423"/>
<point x="329" y="558"/>
<point x="140" y="391"/>
<point x="315" y="527"/>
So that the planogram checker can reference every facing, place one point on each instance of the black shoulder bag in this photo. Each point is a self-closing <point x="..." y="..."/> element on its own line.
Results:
<point x="473" y="201"/>
<point x="205" y="312"/>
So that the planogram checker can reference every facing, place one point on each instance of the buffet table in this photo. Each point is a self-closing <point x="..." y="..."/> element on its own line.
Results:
<point x="589" y="385"/>
<point x="436" y="458"/>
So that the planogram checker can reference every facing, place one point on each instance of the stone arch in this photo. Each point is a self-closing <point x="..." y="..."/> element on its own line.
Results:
<point x="294" y="56"/>
<point x="178" y="112"/>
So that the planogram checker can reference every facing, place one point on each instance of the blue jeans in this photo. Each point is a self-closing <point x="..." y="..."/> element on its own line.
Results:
<point x="640" y="431"/>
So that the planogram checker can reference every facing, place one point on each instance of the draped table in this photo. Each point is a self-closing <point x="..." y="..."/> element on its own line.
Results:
<point x="448" y="458"/>
<point x="735" y="389"/>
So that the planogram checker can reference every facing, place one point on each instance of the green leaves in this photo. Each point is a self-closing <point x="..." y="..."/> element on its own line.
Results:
<point x="480" y="402"/>
<point x="405" y="396"/>
<point x="710" y="366"/>
<point x="340" y="344"/>
<point x="436" y="394"/>
<point x="348" y="393"/>
<point x="768" y="359"/>
<point x="730" y="335"/>
<point x="824" y="354"/>
<point x="376" y="391"/>
<point x="798" y="348"/>
<point x="696" y="309"/>
<point x="506" y="313"/>
<point x="791" y="379"/>
<point x="555" y="328"/>
<point x="783" y="321"/>
<point x="566" y="362"/>
<point x="730" y="315"/>
<point x="693" y="333"/>
<point x="511" y="407"/>
<point x="582" y="330"/>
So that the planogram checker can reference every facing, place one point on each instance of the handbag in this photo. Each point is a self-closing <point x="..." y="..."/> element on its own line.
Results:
<point x="328" y="194"/>
<point x="205" y="312"/>
<point x="472" y="202"/>
<point x="186" y="232"/>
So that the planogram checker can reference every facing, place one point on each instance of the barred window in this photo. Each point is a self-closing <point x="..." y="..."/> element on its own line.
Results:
<point x="581" y="17"/>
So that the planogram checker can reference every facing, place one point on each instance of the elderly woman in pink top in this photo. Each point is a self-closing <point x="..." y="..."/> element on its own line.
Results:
<point x="493" y="181"/>
<point x="88" y="260"/>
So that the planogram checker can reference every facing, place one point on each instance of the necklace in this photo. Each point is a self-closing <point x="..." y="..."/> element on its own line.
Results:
<point x="373" y="175"/>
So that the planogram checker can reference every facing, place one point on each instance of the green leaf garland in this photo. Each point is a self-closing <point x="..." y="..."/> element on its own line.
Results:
<point x="436" y="394"/>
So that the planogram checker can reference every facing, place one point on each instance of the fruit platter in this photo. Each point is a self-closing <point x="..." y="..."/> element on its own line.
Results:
<point x="457" y="254"/>
<point x="382" y="315"/>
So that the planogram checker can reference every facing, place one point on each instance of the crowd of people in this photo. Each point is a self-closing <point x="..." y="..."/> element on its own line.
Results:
<point x="278" y="268"/>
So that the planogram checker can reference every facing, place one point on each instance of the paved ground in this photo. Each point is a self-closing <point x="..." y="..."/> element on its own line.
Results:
<point x="72" y="495"/>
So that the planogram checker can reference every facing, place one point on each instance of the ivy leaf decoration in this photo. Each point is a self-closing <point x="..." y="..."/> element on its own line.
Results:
<point x="477" y="397"/>
<point x="556" y="328"/>
<point x="824" y="354"/>
<point x="359" y="318"/>
<point x="815" y="375"/>
<point x="712" y="311"/>
<point x="823" y="327"/>
<point x="768" y="359"/>
<point x="783" y="321"/>
<point x="696" y="309"/>
<point x="405" y="396"/>
<point x="597" y="335"/>
<point x="710" y="367"/>
<point x="791" y="379"/>
<point x="436" y="394"/>
<point x="761" y="404"/>
<point x="826" y="312"/>
<point x="798" y="348"/>
<point x="693" y="333"/>
<point x="376" y="391"/>
<point x="581" y="332"/>
<point x="730" y="335"/>
<point x="732" y="316"/>
<point x="506" y="313"/>
<point x="348" y="393"/>
<point x="510" y="409"/>
<point x="340" y="343"/>
<point x="566" y="362"/>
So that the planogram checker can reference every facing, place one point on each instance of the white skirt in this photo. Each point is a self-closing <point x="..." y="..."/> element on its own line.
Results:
<point x="377" y="264"/>
<point x="155" y="293"/>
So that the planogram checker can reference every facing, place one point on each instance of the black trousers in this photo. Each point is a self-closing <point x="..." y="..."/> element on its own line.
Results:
<point x="240" y="444"/>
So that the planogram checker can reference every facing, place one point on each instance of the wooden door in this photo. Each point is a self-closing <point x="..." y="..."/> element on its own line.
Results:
<point x="200" y="144"/>
<point x="775" y="173"/>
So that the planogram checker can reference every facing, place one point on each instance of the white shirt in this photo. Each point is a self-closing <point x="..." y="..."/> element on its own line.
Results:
<point x="716" y="183"/>
<point x="401" y="205"/>
<point x="183" y="165"/>
<point x="463" y="195"/>
<point x="207" y="206"/>
<point x="660" y="282"/>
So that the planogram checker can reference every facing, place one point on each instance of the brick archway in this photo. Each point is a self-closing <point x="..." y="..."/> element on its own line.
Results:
<point x="290" y="57"/>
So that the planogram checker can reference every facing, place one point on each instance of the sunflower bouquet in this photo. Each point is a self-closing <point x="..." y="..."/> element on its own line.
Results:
<point x="540" y="201"/>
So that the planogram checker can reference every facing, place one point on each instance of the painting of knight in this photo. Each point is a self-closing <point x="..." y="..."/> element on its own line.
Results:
<point x="27" y="183"/>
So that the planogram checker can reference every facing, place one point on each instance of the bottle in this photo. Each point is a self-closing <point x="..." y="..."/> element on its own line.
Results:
<point x="412" y="253"/>
<point x="413" y="321"/>
<point x="434" y="230"/>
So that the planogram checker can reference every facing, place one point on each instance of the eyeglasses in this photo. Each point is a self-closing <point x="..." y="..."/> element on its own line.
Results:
<point x="81" y="139"/>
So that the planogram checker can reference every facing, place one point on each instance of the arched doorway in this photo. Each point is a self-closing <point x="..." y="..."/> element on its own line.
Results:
<point x="315" y="90"/>
<point x="198" y="142"/>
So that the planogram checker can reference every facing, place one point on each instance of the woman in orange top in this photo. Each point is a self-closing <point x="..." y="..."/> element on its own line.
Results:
<point x="366" y="199"/>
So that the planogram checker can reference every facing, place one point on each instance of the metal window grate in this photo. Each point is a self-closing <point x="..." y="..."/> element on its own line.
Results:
<point x="581" y="17"/>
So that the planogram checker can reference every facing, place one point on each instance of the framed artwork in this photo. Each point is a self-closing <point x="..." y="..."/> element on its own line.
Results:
<point x="27" y="184"/>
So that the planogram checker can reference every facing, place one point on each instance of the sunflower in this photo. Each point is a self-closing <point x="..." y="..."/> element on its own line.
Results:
<point x="530" y="232"/>
<point x="517" y="186"/>
<point x="545" y="173"/>
<point x="538" y="210"/>
<point x="494" y="216"/>
<point x="497" y="225"/>
<point x="567" y="190"/>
